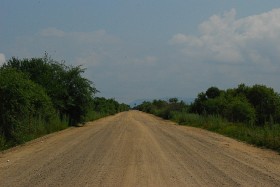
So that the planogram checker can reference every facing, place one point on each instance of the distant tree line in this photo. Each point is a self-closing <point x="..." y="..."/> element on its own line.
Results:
<point x="247" y="113"/>
<point x="108" y="106"/>
<point x="163" y="108"/>
<point x="255" y="105"/>
<point x="41" y="95"/>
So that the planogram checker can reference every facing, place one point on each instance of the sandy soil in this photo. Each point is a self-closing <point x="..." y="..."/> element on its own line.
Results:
<point x="137" y="149"/>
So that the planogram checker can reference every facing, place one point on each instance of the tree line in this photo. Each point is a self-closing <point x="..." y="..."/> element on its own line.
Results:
<point x="41" y="95"/>
<point x="256" y="105"/>
<point x="248" y="113"/>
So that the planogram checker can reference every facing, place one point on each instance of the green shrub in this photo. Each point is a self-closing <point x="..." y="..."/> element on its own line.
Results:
<point x="267" y="136"/>
<point x="93" y="115"/>
<point x="70" y="93"/>
<point x="240" y="110"/>
<point x="21" y="103"/>
<point x="2" y="142"/>
<point x="250" y="114"/>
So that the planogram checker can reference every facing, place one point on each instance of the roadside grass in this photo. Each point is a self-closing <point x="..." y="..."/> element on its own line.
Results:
<point x="93" y="115"/>
<point x="37" y="127"/>
<point x="267" y="136"/>
<point x="32" y="129"/>
<point x="2" y="142"/>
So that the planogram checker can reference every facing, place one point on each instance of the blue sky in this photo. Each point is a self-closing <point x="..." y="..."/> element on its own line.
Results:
<point x="135" y="49"/>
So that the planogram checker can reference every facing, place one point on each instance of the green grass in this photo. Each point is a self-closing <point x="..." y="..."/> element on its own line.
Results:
<point x="267" y="136"/>
<point x="93" y="115"/>
<point x="33" y="129"/>
<point x="29" y="130"/>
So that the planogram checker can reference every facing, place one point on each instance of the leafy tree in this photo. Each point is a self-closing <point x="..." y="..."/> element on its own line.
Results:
<point x="258" y="104"/>
<point x="242" y="90"/>
<point x="215" y="106"/>
<point x="173" y="100"/>
<point x="198" y="106"/>
<point x="108" y="106"/>
<point x="266" y="103"/>
<point x="162" y="108"/>
<point x="213" y="92"/>
<point x="70" y="93"/>
<point x="159" y="103"/>
<point x="79" y="94"/>
<point x="146" y="106"/>
<point x="240" y="110"/>
<point x="21" y="102"/>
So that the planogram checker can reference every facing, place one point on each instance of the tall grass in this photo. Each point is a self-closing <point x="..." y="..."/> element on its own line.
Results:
<point x="2" y="142"/>
<point x="267" y="136"/>
<point x="93" y="115"/>
<point x="37" y="127"/>
<point x="31" y="129"/>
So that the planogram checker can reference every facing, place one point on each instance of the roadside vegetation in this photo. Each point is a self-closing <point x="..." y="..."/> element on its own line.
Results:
<point x="40" y="95"/>
<point x="250" y="114"/>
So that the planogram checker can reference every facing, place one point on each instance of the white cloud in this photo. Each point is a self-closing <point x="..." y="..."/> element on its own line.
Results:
<point x="89" y="60"/>
<point x="52" y="32"/>
<point x="2" y="59"/>
<point x="99" y="36"/>
<point x="225" y="39"/>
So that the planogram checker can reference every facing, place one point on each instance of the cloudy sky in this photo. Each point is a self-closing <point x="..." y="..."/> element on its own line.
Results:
<point x="145" y="49"/>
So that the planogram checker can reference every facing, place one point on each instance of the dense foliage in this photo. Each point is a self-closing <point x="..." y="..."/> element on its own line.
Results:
<point x="70" y="93"/>
<point x="162" y="108"/>
<point x="21" y="103"/>
<point x="103" y="107"/>
<point x="258" y="104"/>
<point x="40" y="95"/>
<point x="108" y="106"/>
<point x="251" y="114"/>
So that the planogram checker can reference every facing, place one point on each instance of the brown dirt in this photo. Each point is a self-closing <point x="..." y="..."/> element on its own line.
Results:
<point x="137" y="149"/>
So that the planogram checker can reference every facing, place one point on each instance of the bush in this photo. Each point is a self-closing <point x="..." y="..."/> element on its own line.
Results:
<point x="108" y="106"/>
<point x="250" y="114"/>
<point x="21" y="103"/>
<point x="163" y="108"/>
<point x="70" y="93"/>
<point x="266" y="103"/>
<point x="239" y="110"/>
<point x="40" y="96"/>
<point x="253" y="105"/>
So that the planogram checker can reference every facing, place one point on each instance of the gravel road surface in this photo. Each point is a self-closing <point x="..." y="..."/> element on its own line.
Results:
<point x="137" y="149"/>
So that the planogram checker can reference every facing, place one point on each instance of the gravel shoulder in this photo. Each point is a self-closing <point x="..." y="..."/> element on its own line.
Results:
<point x="137" y="149"/>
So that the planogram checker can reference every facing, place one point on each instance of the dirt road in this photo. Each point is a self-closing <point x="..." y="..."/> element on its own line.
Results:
<point x="137" y="149"/>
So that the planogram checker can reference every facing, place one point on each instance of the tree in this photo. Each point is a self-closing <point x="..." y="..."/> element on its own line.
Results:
<point x="213" y="92"/>
<point x="240" y="110"/>
<point x="242" y="90"/>
<point x="21" y="102"/>
<point x="71" y="94"/>
<point x="215" y="106"/>
<point x="198" y="106"/>
<point x="79" y="94"/>
<point x="173" y="100"/>
<point x="108" y="106"/>
<point x="266" y="103"/>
